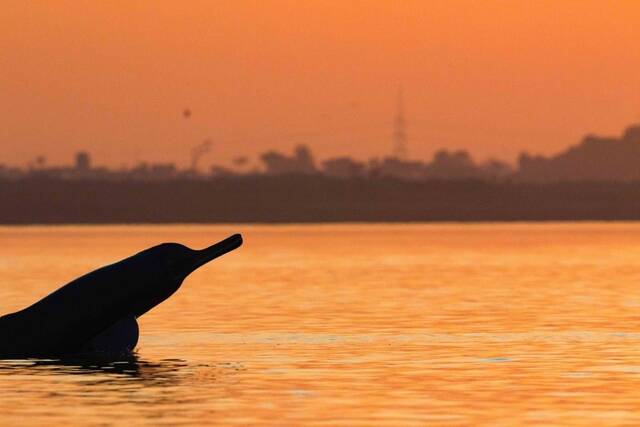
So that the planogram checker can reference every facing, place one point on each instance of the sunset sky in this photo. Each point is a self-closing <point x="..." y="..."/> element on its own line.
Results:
<point x="493" y="77"/>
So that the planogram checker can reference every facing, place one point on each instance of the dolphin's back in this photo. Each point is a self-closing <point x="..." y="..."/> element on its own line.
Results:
<point x="66" y="320"/>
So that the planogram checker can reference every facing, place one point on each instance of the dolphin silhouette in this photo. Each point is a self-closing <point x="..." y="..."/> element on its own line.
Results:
<point x="98" y="311"/>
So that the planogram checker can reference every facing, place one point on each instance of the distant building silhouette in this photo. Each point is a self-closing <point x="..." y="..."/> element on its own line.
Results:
<point x="453" y="165"/>
<point x="343" y="167"/>
<point x="397" y="168"/>
<point x="221" y="171"/>
<point x="301" y="162"/>
<point x="594" y="159"/>
<point x="153" y="172"/>
<point x="496" y="169"/>
<point x="83" y="161"/>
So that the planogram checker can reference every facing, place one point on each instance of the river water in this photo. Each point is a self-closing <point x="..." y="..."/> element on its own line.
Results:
<point x="421" y="324"/>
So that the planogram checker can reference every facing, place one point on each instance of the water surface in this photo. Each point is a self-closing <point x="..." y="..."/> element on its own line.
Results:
<point x="349" y="325"/>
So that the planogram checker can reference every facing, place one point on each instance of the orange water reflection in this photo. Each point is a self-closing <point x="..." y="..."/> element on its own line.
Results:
<point x="350" y="325"/>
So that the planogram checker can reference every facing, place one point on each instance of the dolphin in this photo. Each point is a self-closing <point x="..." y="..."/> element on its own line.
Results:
<point x="97" y="312"/>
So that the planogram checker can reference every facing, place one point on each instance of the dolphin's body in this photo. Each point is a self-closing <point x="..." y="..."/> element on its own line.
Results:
<point x="98" y="311"/>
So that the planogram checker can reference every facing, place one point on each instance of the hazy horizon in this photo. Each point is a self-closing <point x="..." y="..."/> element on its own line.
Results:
<point x="493" y="78"/>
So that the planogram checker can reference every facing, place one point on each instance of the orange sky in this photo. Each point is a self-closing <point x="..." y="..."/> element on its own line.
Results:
<point x="493" y="77"/>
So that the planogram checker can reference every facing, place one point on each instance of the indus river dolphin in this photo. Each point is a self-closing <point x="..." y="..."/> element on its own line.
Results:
<point x="97" y="312"/>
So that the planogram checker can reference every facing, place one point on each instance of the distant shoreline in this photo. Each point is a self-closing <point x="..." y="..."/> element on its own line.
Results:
<point x="304" y="199"/>
<point x="302" y="224"/>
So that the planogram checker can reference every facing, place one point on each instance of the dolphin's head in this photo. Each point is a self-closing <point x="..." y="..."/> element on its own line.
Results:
<point x="180" y="261"/>
<point x="167" y="265"/>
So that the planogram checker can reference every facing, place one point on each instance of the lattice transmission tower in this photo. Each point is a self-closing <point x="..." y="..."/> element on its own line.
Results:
<point x="400" y="130"/>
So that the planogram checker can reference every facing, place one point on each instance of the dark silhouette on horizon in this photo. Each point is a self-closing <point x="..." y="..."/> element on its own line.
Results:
<point x="97" y="312"/>
<point x="602" y="159"/>
<point x="598" y="179"/>
<point x="594" y="159"/>
<point x="280" y="164"/>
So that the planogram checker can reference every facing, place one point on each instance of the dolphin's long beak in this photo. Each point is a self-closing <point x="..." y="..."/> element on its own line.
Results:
<point x="214" y="251"/>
